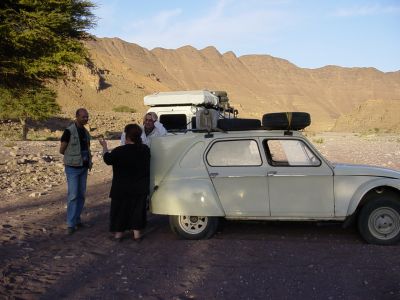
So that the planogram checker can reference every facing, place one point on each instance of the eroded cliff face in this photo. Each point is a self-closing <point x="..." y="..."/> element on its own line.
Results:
<point x="374" y="115"/>
<point x="123" y="73"/>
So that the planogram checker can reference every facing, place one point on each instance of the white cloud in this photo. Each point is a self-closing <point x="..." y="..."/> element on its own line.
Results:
<point x="163" y="18"/>
<point x="367" y="10"/>
<point x="221" y="26"/>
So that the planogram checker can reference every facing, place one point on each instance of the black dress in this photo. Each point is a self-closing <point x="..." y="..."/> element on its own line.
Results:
<point x="130" y="186"/>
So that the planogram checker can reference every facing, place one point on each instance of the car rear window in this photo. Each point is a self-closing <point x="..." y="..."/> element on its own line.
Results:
<point x="234" y="153"/>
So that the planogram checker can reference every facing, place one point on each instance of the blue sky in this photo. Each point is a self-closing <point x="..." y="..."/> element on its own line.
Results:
<point x="308" y="33"/>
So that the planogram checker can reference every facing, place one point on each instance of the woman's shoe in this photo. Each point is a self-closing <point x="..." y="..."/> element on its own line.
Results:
<point x="137" y="240"/>
<point x="118" y="237"/>
<point x="115" y="239"/>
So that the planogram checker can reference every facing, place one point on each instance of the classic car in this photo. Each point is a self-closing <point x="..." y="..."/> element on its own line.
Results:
<point x="267" y="171"/>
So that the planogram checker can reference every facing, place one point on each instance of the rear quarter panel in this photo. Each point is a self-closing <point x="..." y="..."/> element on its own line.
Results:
<point x="180" y="181"/>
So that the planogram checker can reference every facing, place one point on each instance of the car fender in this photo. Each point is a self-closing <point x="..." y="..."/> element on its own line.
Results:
<point x="366" y="187"/>
<point x="186" y="196"/>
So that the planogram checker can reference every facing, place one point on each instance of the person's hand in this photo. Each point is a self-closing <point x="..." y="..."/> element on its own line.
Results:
<point x="102" y="142"/>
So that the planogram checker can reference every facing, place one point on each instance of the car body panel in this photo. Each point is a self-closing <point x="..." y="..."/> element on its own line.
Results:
<point x="166" y="152"/>
<point x="183" y="182"/>
<point x="345" y="188"/>
<point x="292" y="191"/>
<point x="364" y="170"/>
<point x="180" y="182"/>
<point x="242" y="190"/>
<point x="186" y="196"/>
<point x="368" y="186"/>
<point x="295" y="195"/>
<point x="352" y="182"/>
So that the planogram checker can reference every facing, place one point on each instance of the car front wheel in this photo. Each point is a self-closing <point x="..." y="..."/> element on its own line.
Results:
<point x="379" y="221"/>
<point x="193" y="227"/>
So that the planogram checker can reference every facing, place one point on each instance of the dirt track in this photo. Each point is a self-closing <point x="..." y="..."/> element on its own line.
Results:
<point x="246" y="260"/>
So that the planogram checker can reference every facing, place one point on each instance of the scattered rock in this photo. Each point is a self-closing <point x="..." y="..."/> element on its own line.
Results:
<point x="35" y="195"/>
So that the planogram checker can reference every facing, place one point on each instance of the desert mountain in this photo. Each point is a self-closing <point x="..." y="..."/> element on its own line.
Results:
<point x="348" y="99"/>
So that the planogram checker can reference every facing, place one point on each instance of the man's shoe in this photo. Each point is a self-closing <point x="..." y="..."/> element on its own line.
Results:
<point x="70" y="230"/>
<point x="82" y="225"/>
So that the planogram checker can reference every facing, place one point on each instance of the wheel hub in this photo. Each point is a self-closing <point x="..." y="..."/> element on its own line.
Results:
<point x="384" y="223"/>
<point x="193" y="224"/>
<point x="194" y="219"/>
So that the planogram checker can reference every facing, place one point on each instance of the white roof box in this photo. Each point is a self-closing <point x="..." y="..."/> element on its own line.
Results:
<point x="180" y="98"/>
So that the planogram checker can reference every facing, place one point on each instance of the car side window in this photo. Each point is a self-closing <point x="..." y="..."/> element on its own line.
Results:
<point x="288" y="153"/>
<point x="234" y="153"/>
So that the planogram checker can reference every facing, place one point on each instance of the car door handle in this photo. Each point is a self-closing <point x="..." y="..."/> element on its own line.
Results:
<point x="272" y="173"/>
<point x="213" y="175"/>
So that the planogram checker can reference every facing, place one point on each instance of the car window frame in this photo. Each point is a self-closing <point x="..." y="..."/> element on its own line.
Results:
<point x="234" y="166"/>
<point x="269" y="156"/>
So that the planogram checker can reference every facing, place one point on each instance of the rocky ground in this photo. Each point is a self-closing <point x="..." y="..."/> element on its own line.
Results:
<point x="37" y="259"/>
<point x="34" y="168"/>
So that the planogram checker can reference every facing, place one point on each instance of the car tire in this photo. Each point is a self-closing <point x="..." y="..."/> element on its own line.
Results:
<point x="379" y="220"/>
<point x="193" y="227"/>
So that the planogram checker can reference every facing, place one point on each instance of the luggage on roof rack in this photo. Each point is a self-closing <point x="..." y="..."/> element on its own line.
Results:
<point x="176" y="109"/>
<point x="238" y="124"/>
<point x="222" y="96"/>
<point x="286" y="120"/>
<point x="198" y="97"/>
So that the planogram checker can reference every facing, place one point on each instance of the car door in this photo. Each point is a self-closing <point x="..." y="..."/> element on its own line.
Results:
<point x="300" y="183"/>
<point x="239" y="176"/>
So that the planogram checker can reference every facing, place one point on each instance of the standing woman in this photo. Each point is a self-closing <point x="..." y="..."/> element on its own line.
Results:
<point x="130" y="183"/>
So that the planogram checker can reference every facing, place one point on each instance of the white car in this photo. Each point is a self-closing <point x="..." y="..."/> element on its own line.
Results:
<point x="199" y="177"/>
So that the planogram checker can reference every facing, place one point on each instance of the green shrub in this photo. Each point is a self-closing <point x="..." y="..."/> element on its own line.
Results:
<point x="10" y="144"/>
<point x="318" y="141"/>
<point x="124" y="108"/>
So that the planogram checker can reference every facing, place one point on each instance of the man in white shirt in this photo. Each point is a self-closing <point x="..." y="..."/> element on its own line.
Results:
<point x="151" y="127"/>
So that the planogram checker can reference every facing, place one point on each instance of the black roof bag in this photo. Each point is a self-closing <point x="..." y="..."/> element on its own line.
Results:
<point x="238" y="124"/>
<point x="286" y="120"/>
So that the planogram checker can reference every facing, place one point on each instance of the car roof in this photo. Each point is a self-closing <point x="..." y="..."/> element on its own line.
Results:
<point x="198" y="135"/>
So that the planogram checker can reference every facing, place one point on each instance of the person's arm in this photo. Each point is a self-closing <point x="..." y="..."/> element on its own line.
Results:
<point x="63" y="146"/>
<point x="107" y="156"/>
<point x="160" y="127"/>
<point x="90" y="155"/>
<point x="64" y="141"/>
<point x="123" y="139"/>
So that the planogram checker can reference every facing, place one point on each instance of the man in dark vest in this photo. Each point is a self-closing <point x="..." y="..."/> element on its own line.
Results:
<point x="75" y="146"/>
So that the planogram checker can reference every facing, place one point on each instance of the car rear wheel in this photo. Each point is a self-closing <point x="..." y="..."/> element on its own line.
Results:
<point x="193" y="227"/>
<point x="379" y="221"/>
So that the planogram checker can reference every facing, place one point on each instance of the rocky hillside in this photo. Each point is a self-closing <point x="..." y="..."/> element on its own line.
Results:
<point x="337" y="98"/>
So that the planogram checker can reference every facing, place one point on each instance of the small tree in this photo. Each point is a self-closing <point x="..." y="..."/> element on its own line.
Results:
<point x="34" y="104"/>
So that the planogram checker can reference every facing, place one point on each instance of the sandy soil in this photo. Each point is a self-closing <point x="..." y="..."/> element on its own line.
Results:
<point x="250" y="260"/>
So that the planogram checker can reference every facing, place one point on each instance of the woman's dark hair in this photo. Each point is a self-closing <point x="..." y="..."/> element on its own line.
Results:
<point x="133" y="132"/>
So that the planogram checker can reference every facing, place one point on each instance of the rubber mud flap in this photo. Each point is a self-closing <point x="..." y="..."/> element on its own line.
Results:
<point x="238" y="124"/>
<point x="286" y="120"/>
